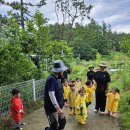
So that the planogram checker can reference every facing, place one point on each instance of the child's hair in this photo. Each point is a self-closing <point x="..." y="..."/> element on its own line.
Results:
<point x="73" y="81"/>
<point x="82" y="90"/>
<point x="116" y="89"/>
<point x="65" y="80"/>
<point x="72" y="85"/>
<point x="15" y="91"/>
<point x="88" y="82"/>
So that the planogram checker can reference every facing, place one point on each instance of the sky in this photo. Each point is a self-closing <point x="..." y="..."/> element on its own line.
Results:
<point x="113" y="12"/>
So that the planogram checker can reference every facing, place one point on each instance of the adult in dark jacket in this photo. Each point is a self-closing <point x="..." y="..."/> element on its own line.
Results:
<point x="102" y="79"/>
<point x="90" y="73"/>
<point x="53" y="99"/>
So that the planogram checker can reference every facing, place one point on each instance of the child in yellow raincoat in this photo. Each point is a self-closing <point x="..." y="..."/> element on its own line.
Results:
<point x="66" y="89"/>
<point x="78" y="84"/>
<point x="109" y="100"/>
<point x="90" y="88"/>
<point x="112" y="101"/>
<point x="81" y="108"/>
<point x="71" y="99"/>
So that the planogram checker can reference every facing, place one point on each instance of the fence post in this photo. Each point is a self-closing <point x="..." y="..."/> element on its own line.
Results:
<point x="34" y="90"/>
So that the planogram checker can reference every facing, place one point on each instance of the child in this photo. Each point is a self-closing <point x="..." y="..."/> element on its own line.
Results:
<point x="112" y="101"/>
<point x="90" y="88"/>
<point x="109" y="100"/>
<point x="66" y="89"/>
<point x="78" y="84"/>
<point x="80" y="104"/>
<point x="17" y="109"/>
<point x="71" y="99"/>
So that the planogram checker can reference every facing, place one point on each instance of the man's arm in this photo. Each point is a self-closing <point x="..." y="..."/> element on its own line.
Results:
<point x="51" y="92"/>
<point x="53" y="98"/>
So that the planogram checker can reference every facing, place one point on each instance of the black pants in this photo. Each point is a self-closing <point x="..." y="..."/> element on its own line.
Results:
<point x="100" y="101"/>
<point x="56" y="121"/>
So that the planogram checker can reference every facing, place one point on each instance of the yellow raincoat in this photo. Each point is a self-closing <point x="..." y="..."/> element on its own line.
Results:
<point x="71" y="98"/>
<point x="78" y="85"/>
<point x="66" y="91"/>
<point x="112" y="103"/>
<point x="81" y="109"/>
<point x="90" y="91"/>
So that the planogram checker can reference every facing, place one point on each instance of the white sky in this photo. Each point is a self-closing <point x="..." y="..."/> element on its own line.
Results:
<point x="113" y="12"/>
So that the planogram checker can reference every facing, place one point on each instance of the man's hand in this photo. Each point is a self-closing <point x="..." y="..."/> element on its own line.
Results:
<point x="94" y="83"/>
<point x="59" y="110"/>
<point x="106" y="91"/>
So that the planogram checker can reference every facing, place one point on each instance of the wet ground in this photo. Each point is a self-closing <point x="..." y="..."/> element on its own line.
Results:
<point x="95" y="121"/>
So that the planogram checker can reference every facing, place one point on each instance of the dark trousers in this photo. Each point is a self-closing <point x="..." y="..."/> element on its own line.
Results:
<point x="100" y="101"/>
<point x="56" y="121"/>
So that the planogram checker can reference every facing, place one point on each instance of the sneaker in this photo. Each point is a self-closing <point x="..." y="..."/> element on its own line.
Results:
<point x="19" y="128"/>
<point x="102" y="113"/>
<point x="96" y="111"/>
<point x="47" y="128"/>
<point x="23" y="124"/>
<point x="107" y="113"/>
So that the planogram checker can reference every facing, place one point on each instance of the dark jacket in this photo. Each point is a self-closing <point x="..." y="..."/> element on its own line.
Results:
<point x="57" y="87"/>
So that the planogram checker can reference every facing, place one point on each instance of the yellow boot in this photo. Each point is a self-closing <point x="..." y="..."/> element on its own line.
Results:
<point x="81" y="120"/>
<point x="70" y="112"/>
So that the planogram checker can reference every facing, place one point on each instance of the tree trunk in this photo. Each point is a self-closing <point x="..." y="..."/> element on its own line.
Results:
<point x="22" y="14"/>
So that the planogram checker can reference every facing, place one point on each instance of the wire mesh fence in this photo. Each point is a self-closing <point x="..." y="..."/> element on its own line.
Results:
<point x="30" y="92"/>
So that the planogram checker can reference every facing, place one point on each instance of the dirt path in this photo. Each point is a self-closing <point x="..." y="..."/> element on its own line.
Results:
<point x="95" y="121"/>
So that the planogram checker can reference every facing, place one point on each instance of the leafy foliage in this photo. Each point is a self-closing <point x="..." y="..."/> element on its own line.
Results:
<point x="21" y="7"/>
<point x="125" y="44"/>
<point x="23" y="51"/>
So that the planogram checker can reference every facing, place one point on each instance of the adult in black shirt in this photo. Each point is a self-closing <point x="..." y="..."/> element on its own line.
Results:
<point x="102" y="79"/>
<point x="90" y="73"/>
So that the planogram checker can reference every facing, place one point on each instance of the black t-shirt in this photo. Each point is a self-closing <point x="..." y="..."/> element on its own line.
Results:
<point x="90" y="75"/>
<point x="102" y="78"/>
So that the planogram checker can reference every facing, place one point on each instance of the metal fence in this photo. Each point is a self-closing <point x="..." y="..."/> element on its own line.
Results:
<point x="30" y="92"/>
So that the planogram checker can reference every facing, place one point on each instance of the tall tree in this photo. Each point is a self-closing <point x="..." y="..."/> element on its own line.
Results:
<point x="125" y="44"/>
<point x="23" y="8"/>
<point x="3" y="20"/>
<point x="71" y="10"/>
